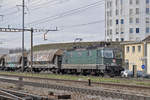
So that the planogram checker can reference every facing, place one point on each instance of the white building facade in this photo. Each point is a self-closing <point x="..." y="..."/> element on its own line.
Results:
<point x="127" y="20"/>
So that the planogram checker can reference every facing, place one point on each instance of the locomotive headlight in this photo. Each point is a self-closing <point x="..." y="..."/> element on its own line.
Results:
<point x="114" y="60"/>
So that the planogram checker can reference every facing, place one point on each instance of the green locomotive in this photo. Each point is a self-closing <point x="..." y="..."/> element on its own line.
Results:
<point x="97" y="61"/>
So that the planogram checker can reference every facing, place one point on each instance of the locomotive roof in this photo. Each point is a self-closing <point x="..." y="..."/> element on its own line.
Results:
<point x="108" y="48"/>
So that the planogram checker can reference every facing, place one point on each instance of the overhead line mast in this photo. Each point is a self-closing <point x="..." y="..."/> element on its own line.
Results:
<point x="23" y="35"/>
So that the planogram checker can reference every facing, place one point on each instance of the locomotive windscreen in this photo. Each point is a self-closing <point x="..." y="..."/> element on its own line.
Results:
<point x="107" y="53"/>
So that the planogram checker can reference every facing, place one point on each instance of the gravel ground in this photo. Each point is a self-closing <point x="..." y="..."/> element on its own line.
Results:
<point x="75" y="96"/>
<point x="96" y="87"/>
<point x="44" y="92"/>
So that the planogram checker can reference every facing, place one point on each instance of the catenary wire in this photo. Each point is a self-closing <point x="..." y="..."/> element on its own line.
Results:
<point x="70" y="12"/>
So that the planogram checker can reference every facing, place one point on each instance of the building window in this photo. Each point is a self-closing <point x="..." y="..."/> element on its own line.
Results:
<point x="147" y="29"/>
<point x="121" y="11"/>
<point x="117" y="39"/>
<point x="131" y="20"/>
<point x="110" y="13"/>
<point x="128" y="49"/>
<point x="122" y="32"/>
<point x="107" y="23"/>
<point x="121" y="2"/>
<point x="122" y="39"/>
<point x="122" y="21"/>
<point x="147" y="10"/>
<point x="110" y="22"/>
<point x="117" y="12"/>
<point x="131" y="2"/>
<point x="116" y="2"/>
<point x="117" y="31"/>
<point x="107" y="13"/>
<point x="139" y="48"/>
<point x="137" y="2"/>
<point x="147" y="1"/>
<point x="110" y="3"/>
<point x="137" y="30"/>
<point x="110" y="31"/>
<point x="137" y="20"/>
<point x="130" y="11"/>
<point x="147" y="20"/>
<point x="117" y="21"/>
<point x="133" y="49"/>
<point x="137" y="11"/>
<point x="131" y="30"/>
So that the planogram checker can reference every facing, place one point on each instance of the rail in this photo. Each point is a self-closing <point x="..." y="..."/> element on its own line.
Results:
<point x="86" y="91"/>
<point x="77" y="81"/>
<point x="15" y="95"/>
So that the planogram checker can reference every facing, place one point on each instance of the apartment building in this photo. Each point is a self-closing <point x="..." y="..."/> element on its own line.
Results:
<point x="127" y="20"/>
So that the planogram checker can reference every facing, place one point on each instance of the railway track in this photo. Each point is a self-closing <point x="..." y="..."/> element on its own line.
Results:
<point x="117" y="77"/>
<point x="81" y="82"/>
<point x="6" y="94"/>
<point x="89" y="91"/>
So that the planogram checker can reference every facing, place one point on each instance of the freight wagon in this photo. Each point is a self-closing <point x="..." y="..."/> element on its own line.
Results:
<point x="13" y="62"/>
<point x="47" y="60"/>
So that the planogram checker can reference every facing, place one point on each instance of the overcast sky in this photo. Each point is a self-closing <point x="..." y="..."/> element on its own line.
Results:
<point x="86" y="22"/>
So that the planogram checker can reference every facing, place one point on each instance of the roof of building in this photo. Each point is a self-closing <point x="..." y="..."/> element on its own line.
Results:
<point x="132" y="42"/>
<point x="147" y="39"/>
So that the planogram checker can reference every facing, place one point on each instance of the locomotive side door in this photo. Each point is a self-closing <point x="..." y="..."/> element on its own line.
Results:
<point x="2" y="62"/>
<point x="59" y="62"/>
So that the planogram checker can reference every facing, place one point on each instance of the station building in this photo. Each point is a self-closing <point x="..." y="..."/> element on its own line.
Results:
<point x="138" y="53"/>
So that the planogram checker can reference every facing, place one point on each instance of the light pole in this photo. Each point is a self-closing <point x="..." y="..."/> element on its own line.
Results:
<point x="31" y="49"/>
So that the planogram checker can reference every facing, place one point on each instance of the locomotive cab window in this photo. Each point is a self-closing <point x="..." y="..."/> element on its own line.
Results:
<point x="107" y="53"/>
<point x="98" y="53"/>
<point x="88" y="53"/>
